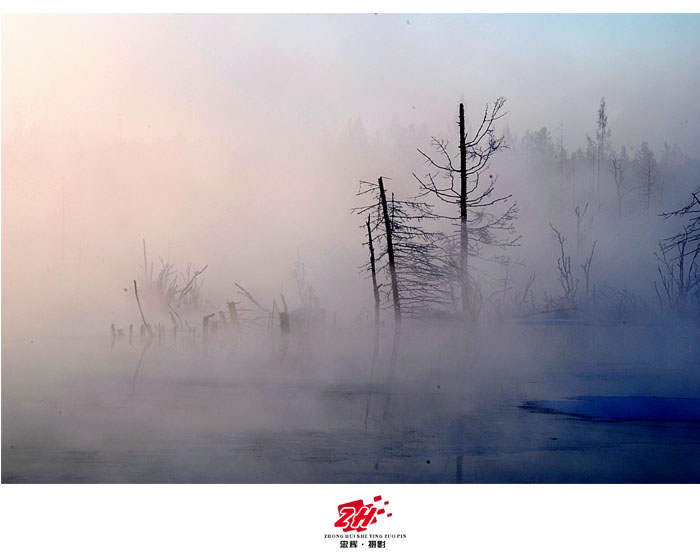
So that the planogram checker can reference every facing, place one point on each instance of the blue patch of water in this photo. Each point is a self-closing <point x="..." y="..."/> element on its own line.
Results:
<point x="622" y="408"/>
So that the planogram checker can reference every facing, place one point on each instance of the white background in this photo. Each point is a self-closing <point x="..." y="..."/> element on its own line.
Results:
<point x="440" y="521"/>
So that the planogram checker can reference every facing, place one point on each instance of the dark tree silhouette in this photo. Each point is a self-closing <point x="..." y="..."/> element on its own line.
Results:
<point x="679" y="256"/>
<point x="477" y="227"/>
<point x="402" y="249"/>
<point x="379" y="226"/>
<point x="388" y="232"/>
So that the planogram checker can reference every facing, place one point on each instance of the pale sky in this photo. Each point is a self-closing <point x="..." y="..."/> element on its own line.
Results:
<point x="318" y="71"/>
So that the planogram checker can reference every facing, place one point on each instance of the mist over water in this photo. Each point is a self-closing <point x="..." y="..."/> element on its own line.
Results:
<point x="216" y="159"/>
<point x="84" y="413"/>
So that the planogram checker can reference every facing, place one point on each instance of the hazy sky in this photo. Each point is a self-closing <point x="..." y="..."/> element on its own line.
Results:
<point x="169" y="74"/>
<point x="211" y="136"/>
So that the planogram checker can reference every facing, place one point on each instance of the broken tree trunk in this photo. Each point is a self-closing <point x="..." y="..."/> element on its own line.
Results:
<point x="390" y="253"/>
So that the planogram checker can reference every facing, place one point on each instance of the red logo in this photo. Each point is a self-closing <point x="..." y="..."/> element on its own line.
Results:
<point x="357" y="516"/>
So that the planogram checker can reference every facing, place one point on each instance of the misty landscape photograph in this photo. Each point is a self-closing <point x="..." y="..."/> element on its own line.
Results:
<point x="373" y="248"/>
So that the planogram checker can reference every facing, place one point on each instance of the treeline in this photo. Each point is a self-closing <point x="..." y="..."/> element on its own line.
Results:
<point x="631" y="179"/>
<point x="445" y="250"/>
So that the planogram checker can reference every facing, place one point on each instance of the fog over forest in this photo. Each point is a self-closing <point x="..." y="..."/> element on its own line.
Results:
<point x="189" y="200"/>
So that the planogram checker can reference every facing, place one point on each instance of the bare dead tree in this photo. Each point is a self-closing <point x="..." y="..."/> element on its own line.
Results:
<point x="566" y="278"/>
<point x="388" y="232"/>
<point x="381" y="226"/>
<point x="404" y="251"/>
<point x="680" y="280"/>
<point x="679" y="261"/>
<point x="692" y="227"/>
<point x="477" y="227"/>
<point x="602" y="135"/>
<point x="618" y="165"/>
<point x="421" y="261"/>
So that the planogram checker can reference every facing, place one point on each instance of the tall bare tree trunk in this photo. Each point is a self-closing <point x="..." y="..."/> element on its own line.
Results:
<point x="390" y="253"/>
<point x="373" y="268"/>
<point x="464" y="232"/>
